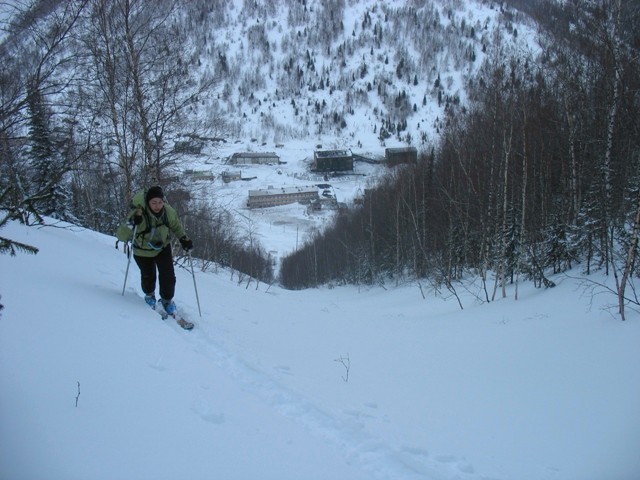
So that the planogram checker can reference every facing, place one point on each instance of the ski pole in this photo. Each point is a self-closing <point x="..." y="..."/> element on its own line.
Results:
<point x="126" y="274"/>
<point x="194" y="282"/>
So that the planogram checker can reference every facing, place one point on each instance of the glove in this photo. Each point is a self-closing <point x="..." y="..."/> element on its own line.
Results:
<point x="186" y="243"/>
<point x="137" y="217"/>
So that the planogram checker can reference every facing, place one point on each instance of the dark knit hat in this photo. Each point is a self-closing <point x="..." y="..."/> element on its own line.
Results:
<point x="154" y="192"/>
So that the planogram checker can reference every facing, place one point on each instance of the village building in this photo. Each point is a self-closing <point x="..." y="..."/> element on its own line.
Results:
<point x="332" y="161"/>
<point x="188" y="146"/>
<point x="254" y="158"/>
<point x="200" y="175"/>
<point x="228" y="176"/>
<point x="398" y="156"/>
<point x="272" y="197"/>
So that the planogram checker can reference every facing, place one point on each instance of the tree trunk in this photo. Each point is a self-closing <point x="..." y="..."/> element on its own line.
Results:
<point x="631" y="257"/>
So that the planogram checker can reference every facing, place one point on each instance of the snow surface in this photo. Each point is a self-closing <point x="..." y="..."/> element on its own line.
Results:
<point x="545" y="387"/>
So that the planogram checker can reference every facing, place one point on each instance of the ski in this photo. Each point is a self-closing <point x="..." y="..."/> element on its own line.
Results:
<point x="183" y="323"/>
<point x="179" y="320"/>
<point x="164" y="315"/>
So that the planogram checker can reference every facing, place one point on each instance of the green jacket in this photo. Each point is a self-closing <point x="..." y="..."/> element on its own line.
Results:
<point x="152" y="235"/>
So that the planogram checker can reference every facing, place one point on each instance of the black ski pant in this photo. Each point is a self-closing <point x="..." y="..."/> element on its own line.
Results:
<point x="163" y="262"/>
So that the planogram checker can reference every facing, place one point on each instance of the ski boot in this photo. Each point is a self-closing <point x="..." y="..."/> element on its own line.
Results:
<point x="150" y="300"/>
<point x="169" y="306"/>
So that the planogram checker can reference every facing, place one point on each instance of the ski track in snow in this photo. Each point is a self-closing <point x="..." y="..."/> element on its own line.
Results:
<point x="371" y="454"/>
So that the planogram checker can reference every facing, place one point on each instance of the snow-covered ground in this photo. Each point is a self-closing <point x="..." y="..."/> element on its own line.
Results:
<point x="344" y="383"/>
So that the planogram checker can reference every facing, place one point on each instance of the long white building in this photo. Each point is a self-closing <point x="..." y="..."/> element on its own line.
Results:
<point x="271" y="197"/>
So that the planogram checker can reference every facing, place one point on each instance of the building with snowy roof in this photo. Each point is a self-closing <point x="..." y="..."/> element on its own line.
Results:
<point x="402" y="155"/>
<point x="332" y="161"/>
<point x="272" y="197"/>
<point x="253" y="158"/>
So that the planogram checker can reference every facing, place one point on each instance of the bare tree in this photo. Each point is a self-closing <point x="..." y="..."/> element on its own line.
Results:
<point x="142" y="83"/>
<point x="36" y="70"/>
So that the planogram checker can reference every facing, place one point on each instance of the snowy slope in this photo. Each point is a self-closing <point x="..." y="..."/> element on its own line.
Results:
<point x="546" y="387"/>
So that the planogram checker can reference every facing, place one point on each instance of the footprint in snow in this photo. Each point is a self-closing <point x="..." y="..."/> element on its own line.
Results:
<point x="283" y="369"/>
<point x="460" y="464"/>
<point x="206" y="413"/>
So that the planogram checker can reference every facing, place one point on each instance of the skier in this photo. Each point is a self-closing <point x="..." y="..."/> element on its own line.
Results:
<point x="152" y="219"/>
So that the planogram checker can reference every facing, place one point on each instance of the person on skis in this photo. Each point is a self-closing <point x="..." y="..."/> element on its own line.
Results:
<point x="152" y="220"/>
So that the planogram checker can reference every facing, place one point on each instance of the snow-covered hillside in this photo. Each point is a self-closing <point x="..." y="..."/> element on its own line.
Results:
<point x="340" y="383"/>
<point x="339" y="73"/>
<point x="300" y="76"/>
<point x="291" y="77"/>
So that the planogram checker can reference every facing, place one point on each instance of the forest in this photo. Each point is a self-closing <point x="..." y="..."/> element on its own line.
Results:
<point x="93" y="93"/>
<point x="535" y="173"/>
<point x="540" y="172"/>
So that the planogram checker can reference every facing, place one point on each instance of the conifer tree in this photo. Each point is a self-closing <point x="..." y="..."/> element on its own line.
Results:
<point x="46" y="163"/>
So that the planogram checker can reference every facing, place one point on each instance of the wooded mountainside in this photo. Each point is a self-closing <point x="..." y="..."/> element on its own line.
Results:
<point x="531" y="165"/>
<point x="538" y="172"/>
